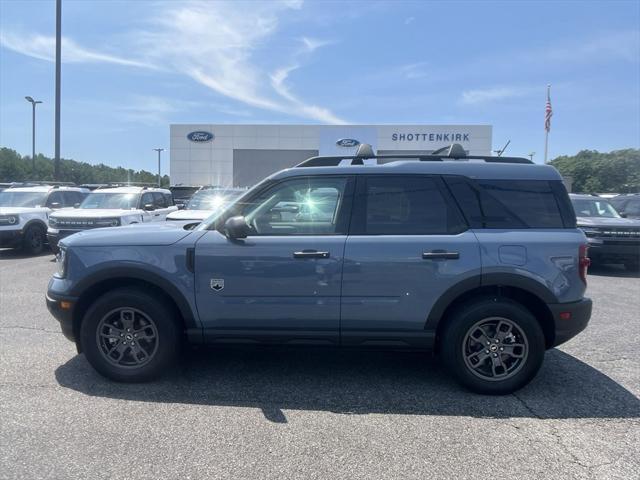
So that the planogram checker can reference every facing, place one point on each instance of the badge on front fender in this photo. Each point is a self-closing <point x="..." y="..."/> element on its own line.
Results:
<point x="216" y="284"/>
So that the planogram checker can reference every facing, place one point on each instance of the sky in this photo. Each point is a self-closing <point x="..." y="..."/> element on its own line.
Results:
<point x="130" y="68"/>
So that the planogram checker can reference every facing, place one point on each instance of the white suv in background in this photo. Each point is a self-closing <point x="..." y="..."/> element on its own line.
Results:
<point x="111" y="207"/>
<point x="24" y="213"/>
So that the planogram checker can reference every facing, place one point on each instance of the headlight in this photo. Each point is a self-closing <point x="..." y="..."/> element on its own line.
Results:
<point x="107" y="222"/>
<point x="590" y="231"/>
<point x="61" y="263"/>
<point x="9" y="219"/>
<point x="53" y="222"/>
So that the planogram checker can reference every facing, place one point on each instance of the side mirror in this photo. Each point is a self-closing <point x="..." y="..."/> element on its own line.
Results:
<point x="149" y="207"/>
<point x="236" y="227"/>
<point x="55" y="205"/>
<point x="623" y="214"/>
<point x="76" y="205"/>
<point x="181" y="206"/>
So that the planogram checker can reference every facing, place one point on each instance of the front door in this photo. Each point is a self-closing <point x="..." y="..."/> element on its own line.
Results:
<point x="282" y="282"/>
<point x="408" y="244"/>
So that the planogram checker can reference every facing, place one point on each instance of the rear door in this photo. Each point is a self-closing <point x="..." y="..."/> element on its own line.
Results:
<point x="407" y="245"/>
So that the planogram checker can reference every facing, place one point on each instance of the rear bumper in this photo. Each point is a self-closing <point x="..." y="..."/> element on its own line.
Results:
<point x="10" y="238"/>
<point x="578" y="314"/>
<point x="63" y="315"/>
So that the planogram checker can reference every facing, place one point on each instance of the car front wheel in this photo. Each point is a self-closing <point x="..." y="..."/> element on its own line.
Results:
<point x="130" y="335"/>
<point x="33" y="241"/>
<point x="493" y="346"/>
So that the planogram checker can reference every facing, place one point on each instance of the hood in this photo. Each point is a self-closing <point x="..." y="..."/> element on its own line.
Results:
<point x="607" y="222"/>
<point x="93" y="213"/>
<point x="18" y="210"/>
<point x="189" y="215"/>
<point x="153" y="233"/>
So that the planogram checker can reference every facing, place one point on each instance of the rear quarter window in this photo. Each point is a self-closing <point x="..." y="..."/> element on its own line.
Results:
<point x="513" y="204"/>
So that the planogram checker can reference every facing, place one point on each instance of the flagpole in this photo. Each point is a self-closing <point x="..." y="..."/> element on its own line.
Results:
<point x="546" y="130"/>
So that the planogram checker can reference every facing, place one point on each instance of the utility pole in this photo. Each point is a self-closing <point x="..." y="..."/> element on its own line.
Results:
<point x="530" y="155"/>
<point x="159" y="150"/>
<point x="56" y="170"/>
<point x="33" y="133"/>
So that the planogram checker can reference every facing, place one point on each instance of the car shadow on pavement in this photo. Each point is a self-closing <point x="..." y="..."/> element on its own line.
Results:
<point x="359" y="382"/>
<point x="17" y="254"/>
<point x="611" y="270"/>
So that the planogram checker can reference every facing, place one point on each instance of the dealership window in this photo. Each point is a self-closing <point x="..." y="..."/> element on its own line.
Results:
<point x="400" y="205"/>
<point x="309" y="206"/>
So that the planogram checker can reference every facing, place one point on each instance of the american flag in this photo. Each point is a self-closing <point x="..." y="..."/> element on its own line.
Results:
<point x="548" y="112"/>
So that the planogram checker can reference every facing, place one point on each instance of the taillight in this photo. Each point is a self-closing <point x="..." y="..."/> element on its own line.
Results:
<point x="583" y="262"/>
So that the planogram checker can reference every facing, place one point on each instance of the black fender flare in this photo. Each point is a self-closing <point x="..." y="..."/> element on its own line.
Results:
<point x="35" y="222"/>
<point x="498" y="279"/>
<point x="133" y="273"/>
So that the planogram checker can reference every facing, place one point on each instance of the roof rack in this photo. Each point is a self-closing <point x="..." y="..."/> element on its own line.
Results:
<point x="41" y="183"/>
<point x="454" y="151"/>
<point x="127" y="184"/>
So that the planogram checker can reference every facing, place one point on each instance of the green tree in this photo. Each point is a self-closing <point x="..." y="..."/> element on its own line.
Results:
<point x="15" y="168"/>
<point x="592" y="171"/>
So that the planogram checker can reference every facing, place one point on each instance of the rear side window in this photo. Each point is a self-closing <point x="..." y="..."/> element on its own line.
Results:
<point x="512" y="204"/>
<point x="405" y="205"/>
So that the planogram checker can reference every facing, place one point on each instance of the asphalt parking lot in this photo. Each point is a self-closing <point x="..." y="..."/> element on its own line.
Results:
<point x="314" y="414"/>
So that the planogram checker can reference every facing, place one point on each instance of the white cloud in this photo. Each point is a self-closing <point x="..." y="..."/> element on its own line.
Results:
<point x="495" y="94"/>
<point x="214" y="43"/>
<point x="44" y="48"/>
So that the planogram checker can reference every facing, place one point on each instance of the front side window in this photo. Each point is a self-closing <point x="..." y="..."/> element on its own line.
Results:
<point x="159" y="201"/>
<point x="403" y="205"/>
<point x="306" y="206"/>
<point x="119" y="201"/>
<point x="147" y="199"/>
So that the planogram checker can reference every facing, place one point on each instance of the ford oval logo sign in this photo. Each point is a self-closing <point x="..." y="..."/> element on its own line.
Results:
<point x="347" y="142"/>
<point x="200" y="136"/>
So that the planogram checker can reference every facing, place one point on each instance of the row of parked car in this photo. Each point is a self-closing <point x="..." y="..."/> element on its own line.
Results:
<point x="32" y="215"/>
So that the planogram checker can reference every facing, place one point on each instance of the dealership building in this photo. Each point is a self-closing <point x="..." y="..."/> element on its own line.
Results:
<point x="242" y="155"/>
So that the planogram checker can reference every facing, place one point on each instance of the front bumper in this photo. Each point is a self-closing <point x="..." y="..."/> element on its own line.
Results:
<point x="570" y="319"/>
<point x="11" y="238"/>
<point x="62" y="312"/>
<point x="611" y="250"/>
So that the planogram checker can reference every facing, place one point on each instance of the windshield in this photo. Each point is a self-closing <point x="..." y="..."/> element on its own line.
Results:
<point x="594" y="208"/>
<point x="22" y="199"/>
<point x="212" y="199"/>
<point x="118" y="201"/>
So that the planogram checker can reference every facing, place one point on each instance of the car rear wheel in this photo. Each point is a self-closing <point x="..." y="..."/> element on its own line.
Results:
<point x="33" y="240"/>
<point x="493" y="346"/>
<point x="130" y="335"/>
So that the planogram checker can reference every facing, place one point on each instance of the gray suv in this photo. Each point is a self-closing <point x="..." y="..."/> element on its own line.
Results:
<point x="476" y="258"/>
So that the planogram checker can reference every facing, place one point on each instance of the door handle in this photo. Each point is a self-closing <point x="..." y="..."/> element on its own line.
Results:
<point x="435" y="255"/>
<point x="310" y="254"/>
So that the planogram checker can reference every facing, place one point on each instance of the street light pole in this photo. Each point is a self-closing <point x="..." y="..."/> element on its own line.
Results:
<point x="159" y="150"/>
<point x="531" y="155"/>
<point x="56" y="166"/>
<point x="33" y="132"/>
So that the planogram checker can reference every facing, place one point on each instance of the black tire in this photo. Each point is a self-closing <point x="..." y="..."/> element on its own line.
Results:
<point x="33" y="240"/>
<point x="458" y="350"/>
<point x="100" y="329"/>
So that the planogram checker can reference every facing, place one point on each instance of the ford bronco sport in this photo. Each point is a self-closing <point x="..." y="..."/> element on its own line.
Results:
<point x="476" y="258"/>
<point x="25" y="209"/>
<point x="111" y="207"/>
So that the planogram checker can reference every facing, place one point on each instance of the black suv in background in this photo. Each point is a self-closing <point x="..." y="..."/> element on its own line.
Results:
<point x="628" y="204"/>
<point x="612" y="238"/>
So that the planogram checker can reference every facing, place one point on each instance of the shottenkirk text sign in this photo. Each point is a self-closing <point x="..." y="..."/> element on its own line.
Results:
<point x="430" y="137"/>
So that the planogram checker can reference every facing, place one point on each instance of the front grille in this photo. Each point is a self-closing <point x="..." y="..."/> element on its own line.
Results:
<point x="620" y="232"/>
<point x="75" y="223"/>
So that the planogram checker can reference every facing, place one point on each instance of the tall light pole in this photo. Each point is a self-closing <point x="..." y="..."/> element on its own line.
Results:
<point x="531" y="155"/>
<point x="33" y="132"/>
<point x="159" y="150"/>
<point x="56" y="166"/>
